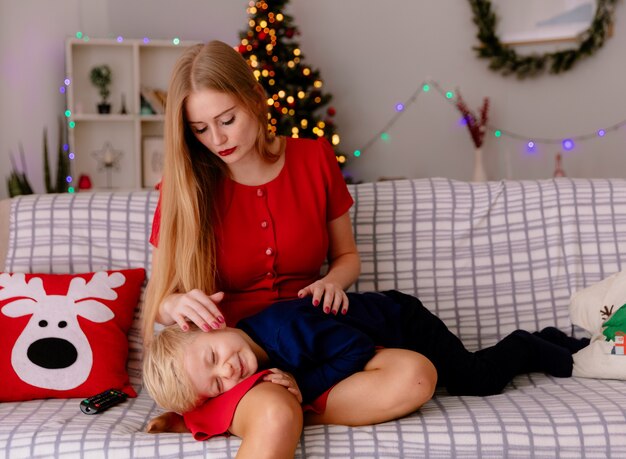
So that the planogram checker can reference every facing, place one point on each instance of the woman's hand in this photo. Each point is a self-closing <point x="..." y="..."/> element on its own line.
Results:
<point x="335" y="299"/>
<point x="286" y="380"/>
<point x="194" y="306"/>
<point x="344" y="266"/>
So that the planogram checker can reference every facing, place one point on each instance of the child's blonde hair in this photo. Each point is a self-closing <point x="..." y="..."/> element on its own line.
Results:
<point x="164" y="373"/>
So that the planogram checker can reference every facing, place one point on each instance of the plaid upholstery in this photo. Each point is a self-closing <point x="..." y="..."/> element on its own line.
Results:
<point x="486" y="257"/>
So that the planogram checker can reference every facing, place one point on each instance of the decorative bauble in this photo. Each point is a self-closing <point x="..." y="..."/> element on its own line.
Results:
<point x="84" y="182"/>
<point x="331" y="111"/>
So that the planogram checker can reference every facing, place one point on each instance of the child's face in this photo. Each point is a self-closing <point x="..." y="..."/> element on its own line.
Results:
<point x="218" y="360"/>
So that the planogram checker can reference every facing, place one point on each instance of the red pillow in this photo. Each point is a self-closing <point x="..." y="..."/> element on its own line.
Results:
<point x="65" y="335"/>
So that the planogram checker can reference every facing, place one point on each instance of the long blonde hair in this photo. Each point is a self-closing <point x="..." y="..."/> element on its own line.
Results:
<point x="186" y="253"/>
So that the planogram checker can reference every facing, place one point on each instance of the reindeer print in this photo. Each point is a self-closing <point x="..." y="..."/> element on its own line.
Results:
<point x="52" y="352"/>
<point x="606" y="312"/>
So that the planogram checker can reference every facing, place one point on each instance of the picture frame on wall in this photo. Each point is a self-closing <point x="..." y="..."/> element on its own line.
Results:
<point x="535" y="22"/>
<point x="152" y="162"/>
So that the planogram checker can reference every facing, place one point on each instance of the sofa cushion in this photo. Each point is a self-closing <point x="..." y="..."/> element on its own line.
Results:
<point x="65" y="335"/>
<point x="600" y="309"/>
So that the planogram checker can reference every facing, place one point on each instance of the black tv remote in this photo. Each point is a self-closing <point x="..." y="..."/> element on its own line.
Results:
<point x="102" y="401"/>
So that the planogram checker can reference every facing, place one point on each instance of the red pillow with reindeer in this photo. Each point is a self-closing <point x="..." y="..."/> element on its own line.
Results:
<point x="65" y="335"/>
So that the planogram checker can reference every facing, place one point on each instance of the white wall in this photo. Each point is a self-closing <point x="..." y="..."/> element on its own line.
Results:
<point x="371" y="55"/>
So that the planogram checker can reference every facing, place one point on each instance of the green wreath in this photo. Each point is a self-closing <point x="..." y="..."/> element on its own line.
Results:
<point x="506" y="60"/>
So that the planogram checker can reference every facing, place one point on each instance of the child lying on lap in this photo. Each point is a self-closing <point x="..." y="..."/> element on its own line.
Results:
<point x="205" y="374"/>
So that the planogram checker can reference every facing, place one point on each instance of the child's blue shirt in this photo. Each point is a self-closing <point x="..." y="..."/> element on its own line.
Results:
<point x="321" y="349"/>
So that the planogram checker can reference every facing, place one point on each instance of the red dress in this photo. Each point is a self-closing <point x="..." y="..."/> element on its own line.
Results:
<point x="272" y="239"/>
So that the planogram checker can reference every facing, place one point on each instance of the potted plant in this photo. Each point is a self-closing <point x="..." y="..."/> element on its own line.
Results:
<point x="101" y="79"/>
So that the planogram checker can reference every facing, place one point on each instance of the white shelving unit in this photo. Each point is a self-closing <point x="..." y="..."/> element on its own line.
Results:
<point x="133" y="63"/>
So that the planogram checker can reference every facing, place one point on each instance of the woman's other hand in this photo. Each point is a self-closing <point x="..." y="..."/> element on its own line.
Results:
<point x="344" y="266"/>
<point x="194" y="306"/>
<point x="329" y="295"/>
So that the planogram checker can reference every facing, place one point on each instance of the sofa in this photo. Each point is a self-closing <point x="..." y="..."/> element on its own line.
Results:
<point x="487" y="258"/>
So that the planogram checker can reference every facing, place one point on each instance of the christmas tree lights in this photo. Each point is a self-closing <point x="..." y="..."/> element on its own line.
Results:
<point x="295" y="90"/>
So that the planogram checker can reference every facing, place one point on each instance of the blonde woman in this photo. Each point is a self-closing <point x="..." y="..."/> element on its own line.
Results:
<point x="246" y="219"/>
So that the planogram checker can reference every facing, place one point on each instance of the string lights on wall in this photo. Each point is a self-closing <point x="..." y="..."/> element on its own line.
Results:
<point x="66" y="148"/>
<point x="531" y="142"/>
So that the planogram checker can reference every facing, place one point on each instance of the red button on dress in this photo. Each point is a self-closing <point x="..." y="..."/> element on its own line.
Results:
<point x="264" y="224"/>
<point x="260" y="193"/>
<point x="269" y="251"/>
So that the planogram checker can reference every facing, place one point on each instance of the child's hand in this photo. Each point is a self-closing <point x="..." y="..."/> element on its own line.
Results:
<point x="286" y="380"/>
<point x="167" y="422"/>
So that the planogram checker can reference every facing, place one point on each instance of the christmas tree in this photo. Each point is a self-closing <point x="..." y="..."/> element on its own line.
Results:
<point x="295" y="96"/>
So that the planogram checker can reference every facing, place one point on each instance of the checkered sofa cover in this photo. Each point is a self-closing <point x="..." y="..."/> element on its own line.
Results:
<point x="485" y="257"/>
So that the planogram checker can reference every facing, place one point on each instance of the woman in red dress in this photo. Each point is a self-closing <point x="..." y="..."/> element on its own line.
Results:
<point x="246" y="219"/>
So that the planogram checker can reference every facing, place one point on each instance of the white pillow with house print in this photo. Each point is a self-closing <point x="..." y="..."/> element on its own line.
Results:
<point x="601" y="310"/>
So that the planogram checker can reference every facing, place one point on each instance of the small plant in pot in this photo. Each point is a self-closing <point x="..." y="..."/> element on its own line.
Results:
<point x="101" y="79"/>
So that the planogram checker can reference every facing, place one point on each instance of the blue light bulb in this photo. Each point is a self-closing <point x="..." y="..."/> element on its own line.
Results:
<point x="568" y="144"/>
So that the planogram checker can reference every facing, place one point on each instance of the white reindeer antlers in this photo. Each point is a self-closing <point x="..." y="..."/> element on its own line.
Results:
<point x="101" y="286"/>
<point x="15" y="286"/>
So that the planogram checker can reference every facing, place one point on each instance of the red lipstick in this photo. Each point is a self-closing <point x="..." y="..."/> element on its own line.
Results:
<point x="226" y="152"/>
